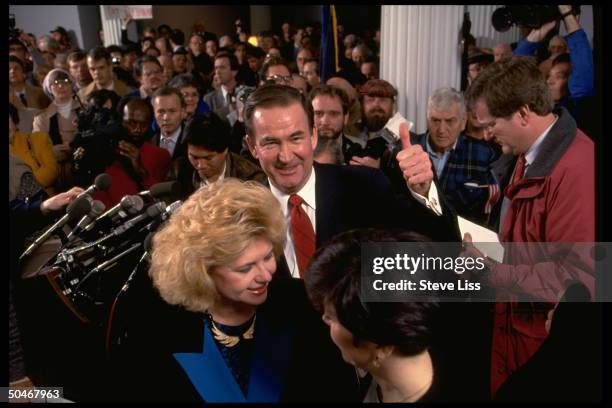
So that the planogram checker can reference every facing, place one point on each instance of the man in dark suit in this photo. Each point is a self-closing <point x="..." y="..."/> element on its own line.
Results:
<point x="332" y="199"/>
<point x="169" y="109"/>
<point x="220" y="101"/>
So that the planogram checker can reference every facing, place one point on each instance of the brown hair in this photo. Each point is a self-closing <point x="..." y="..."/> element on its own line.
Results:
<point x="506" y="86"/>
<point x="270" y="96"/>
<point x="332" y="92"/>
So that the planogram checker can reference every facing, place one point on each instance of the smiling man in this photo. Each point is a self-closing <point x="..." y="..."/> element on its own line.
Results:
<point x="321" y="200"/>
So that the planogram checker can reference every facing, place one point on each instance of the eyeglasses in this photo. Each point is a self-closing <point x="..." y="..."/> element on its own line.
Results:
<point x="279" y="78"/>
<point x="58" y="82"/>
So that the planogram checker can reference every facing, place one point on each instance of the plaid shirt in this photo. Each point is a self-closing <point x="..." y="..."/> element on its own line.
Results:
<point x="469" y="161"/>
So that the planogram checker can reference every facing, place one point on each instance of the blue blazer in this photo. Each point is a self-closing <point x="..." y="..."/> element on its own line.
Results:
<point x="170" y="355"/>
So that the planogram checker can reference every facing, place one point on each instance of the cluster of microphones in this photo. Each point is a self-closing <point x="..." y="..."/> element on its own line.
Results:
<point x="94" y="240"/>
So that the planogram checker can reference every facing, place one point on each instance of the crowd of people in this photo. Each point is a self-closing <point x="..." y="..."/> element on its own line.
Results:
<point x="283" y="176"/>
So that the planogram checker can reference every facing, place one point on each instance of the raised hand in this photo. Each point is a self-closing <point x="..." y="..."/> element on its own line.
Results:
<point x="414" y="164"/>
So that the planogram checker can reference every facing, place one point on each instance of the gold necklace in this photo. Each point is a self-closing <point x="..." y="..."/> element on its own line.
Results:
<point x="228" y="340"/>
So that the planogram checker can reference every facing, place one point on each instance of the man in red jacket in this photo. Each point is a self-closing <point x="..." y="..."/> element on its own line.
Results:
<point x="549" y="196"/>
<point x="139" y="164"/>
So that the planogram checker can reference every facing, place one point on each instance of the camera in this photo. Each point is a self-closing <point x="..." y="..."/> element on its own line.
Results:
<point x="374" y="148"/>
<point x="526" y="16"/>
<point x="14" y="33"/>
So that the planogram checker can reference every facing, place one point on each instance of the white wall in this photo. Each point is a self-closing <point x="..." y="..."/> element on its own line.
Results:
<point x="81" y="22"/>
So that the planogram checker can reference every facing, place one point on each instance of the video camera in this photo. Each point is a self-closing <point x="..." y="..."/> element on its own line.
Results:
<point x="526" y="16"/>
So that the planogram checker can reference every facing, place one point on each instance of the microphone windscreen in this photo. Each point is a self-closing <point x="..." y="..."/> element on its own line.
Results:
<point x="80" y="207"/>
<point x="97" y="208"/>
<point x="155" y="209"/>
<point x="148" y="242"/>
<point x="103" y="181"/>
<point x="165" y="188"/>
<point x="132" y="204"/>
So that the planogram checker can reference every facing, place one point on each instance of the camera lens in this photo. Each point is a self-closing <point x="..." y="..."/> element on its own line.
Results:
<point x="502" y="19"/>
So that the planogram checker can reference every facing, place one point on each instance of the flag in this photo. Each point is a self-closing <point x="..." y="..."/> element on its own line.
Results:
<point x="328" y="57"/>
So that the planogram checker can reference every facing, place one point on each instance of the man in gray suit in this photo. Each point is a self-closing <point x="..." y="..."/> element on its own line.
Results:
<point x="221" y="101"/>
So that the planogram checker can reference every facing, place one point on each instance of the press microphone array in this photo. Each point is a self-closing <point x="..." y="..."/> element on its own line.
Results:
<point x="80" y="207"/>
<point x="88" y="271"/>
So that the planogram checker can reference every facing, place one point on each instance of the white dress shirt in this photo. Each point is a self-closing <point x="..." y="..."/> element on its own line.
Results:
<point x="169" y="142"/>
<point x="307" y="193"/>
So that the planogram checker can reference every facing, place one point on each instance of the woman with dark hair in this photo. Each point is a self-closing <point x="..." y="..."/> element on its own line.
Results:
<point x="390" y="340"/>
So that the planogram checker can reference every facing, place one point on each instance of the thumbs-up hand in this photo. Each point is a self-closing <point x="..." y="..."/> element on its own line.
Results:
<point x="414" y="164"/>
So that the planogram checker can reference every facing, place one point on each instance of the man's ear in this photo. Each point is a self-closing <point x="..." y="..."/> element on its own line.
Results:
<point x="346" y="119"/>
<point x="314" y="138"/>
<point x="524" y="113"/>
<point x="251" y="145"/>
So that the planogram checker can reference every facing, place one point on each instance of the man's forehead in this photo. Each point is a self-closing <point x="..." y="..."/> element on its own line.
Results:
<point x="167" y="101"/>
<point x="447" y="112"/>
<point x="327" y="100"/>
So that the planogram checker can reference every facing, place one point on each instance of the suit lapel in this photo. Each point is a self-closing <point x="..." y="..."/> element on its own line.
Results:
<point x="209" y="374"/>
<point x="271" y="359"/>
<point x="326" y="191"/>
<point x="215" y="382"/>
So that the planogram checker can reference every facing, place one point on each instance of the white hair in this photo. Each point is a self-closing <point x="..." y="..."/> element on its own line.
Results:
<point x="444" y="98"/>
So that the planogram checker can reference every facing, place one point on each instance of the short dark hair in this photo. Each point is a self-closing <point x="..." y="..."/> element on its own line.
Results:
<point x="255" y="52"/>
<point x="274" y="95"/>
<point x="134" y="100"/>
<point x="76" y="56"/>
<point x="203" y="63"/>
<point x="508" y="85"/>
<point x="177" y="36"/>
<point x="334" y="278"/>
<point x="142" y="60"/>
<point x="114" y="48"/>
<point x="332" y="92"/>
<point x="14" y="114"/>
<point x="209" y="131"/>
<point x="15" y="41"/>
<point x="234" y="66"/>
<point x="561" y="58"/>
<point x="184" y="80"/>
<point x="98" y="53"/>
<point x="167" y="90"/>
<point x="17" y="60"/>
<point x="270" y="62"/>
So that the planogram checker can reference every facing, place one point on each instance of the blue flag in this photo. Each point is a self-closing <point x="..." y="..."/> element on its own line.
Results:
<point x="328" y="58"/>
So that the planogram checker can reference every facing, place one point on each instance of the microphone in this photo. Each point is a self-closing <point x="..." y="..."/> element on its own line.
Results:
<point x="162" y="189"/>
<point x="170" y="209"/>
<point x="102" y="183"/>
<point x="129" y="205"/>
<point x="81" y="206"/>
<point x="144" y="259"/>
<point x="96" y="209"/>
<point x="151" y="212"/>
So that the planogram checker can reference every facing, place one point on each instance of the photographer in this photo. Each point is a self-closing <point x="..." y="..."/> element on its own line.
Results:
<point x="93" y="143"/>
<point x="571" y="83"/>
<point x="137" y="164"/>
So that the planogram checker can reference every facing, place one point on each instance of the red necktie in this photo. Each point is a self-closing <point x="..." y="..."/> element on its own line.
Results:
<point x="518" y="173"/>
<point x="302" y="233"/>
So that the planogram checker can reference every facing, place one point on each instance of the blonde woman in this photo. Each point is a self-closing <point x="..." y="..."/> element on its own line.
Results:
<point x="223" y="330"/>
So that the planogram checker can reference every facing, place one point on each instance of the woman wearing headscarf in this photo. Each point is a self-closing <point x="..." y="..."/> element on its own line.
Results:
<point x="59" y="120"/>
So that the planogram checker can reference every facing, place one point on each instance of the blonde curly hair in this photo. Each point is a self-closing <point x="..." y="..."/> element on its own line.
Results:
<point x="210" y="230"/>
